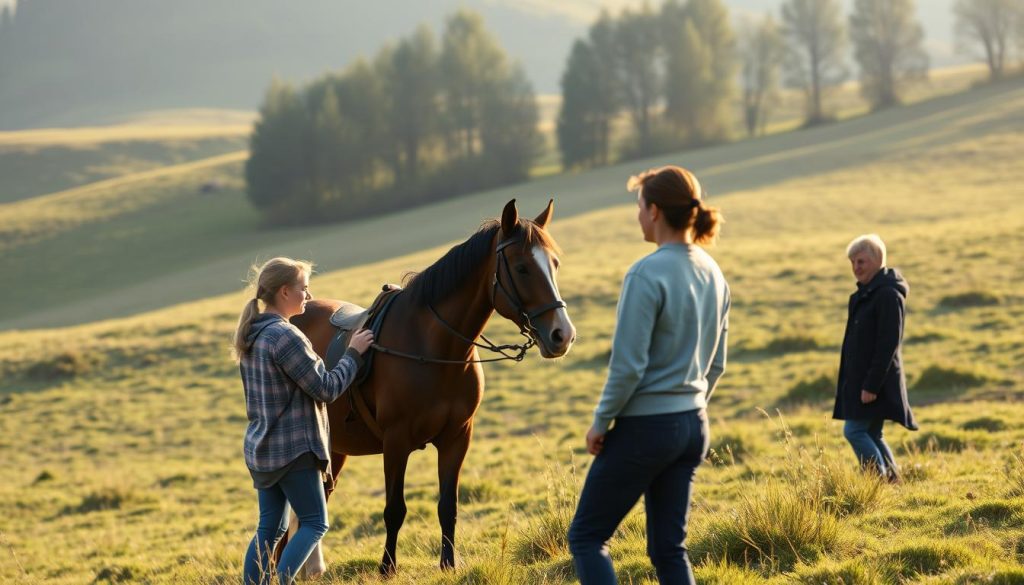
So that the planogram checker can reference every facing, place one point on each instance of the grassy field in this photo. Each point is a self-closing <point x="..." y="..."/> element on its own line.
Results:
<point x="122" y="437"/>
<point x="39" y="162"/>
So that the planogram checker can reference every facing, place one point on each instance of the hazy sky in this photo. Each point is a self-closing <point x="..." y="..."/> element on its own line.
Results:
<point x="935" y="15"/>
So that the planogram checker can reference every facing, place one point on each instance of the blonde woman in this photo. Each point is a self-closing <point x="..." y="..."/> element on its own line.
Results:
<point x="287" y="389"/>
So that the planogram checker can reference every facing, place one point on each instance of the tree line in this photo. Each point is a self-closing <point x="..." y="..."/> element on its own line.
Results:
<point x="671" y="70"/>
<point x="425" y="118"/>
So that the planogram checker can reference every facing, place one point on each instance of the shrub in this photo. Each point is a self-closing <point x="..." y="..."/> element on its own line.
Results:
<point x="118" y="574"/>
<point x="852" y="572"/>
<point x="917" y="464"/>
<point x="984" y="423"/>
<point x="489" y="572"/>
<point x="811" y="390"/>
<point x="846" y="489"/>
<point x="969" y="299"/>
<point x="1014" y="473"/>
<point x="938" y="441"/>
<point x="66" y="364"/>
<point x="352" y="568"/>
<point x="987" y="514"/>
<point x="936" y="377"/>
<point x="1001" y="576"/>
<point x="929" y="557"/>
<point x="995" y="512"/>
<point x="792" y="343"/>
<point x="478" y="491"/>
<point x="731" y="447"/>
<point x="546" y="535"/>
<point x="776" y="526"/>
<point x="107" y="498"/>
<point x="725" y="573"/>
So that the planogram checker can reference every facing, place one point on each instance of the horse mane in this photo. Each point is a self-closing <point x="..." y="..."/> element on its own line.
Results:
<point x="449" y="273"/>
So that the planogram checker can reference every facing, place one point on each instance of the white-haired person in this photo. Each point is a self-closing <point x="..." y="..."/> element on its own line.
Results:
<point x="872" y="385"/>
<point x="287" y="389"/>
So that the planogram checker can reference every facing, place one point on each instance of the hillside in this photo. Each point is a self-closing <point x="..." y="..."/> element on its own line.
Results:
<point x="123" y="436"/>
<point x="159" y="240"/>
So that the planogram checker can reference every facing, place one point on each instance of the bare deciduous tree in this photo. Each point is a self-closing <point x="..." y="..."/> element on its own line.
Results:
<point x="888" y="46"/>
<point x="761" y="50"/>
<point x="816" y="41"/>
<point x="989" y="23"/>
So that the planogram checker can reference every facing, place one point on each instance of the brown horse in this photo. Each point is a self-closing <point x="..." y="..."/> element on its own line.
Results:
<point x="507" y="266"/>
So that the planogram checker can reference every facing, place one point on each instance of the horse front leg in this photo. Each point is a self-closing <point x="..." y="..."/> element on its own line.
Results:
<point x="450" y="455"/>
<point x="396" y="458"/>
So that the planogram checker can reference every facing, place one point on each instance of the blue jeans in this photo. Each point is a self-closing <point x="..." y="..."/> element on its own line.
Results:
<point x="304" y="491"/>
<point x="865" y="436"/>
<point x="653" y="456"/>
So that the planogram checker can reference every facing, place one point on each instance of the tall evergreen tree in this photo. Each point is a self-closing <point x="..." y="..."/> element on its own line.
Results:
<point x="700" y="63"/>
<point x="608" y="92"/>
<point x="888" y="46"/>
<point x="361" y="96"/>
<point x="348" y="139"/>
<point x="640" y="73"/>
<point x="471" y="65"/>
<point x="580" y="121"/>
<point x="816" y="40"/>
<point x="411" y="86"/>
<point x="508" y="129"/>
<point x="277" y="171"/>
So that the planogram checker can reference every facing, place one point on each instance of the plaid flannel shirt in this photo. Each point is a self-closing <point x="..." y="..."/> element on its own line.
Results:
<point x="287" y="388"/>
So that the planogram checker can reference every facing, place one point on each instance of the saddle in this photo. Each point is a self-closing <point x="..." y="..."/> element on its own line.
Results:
<point x="348" y="319"/>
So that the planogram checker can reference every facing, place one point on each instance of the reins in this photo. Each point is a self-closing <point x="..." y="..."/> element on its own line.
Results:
<point x="526" y="328"/>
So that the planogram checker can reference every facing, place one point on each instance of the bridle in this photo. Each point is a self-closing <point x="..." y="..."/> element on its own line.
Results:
<point x="511" y="294"/>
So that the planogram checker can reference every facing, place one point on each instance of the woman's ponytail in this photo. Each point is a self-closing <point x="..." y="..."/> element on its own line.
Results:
<point x="707" y="224"/>
<point x="249" y="313"/>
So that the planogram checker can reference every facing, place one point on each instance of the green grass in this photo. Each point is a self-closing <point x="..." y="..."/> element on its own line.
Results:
<point x="122" y="438"/>
<point x="38" y="162"/>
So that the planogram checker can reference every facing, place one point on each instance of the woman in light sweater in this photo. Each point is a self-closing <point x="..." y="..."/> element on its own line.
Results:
<point x="667" y="354"/>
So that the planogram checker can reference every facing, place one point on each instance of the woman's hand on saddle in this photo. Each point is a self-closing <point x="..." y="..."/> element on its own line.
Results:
<point x="361" y="340"/>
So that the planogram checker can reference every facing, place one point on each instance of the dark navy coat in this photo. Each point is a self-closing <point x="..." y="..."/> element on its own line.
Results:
<point x="872" y="355"/>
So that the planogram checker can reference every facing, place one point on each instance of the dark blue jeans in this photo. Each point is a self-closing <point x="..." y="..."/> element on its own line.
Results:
<point x="304" y="491"/>
<point x="865" y="436"/>
<point x="653" y="456"/>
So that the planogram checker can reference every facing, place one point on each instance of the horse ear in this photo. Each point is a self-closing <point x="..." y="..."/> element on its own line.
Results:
<point x="509" y="218"/>
<point x="545" y="216"/>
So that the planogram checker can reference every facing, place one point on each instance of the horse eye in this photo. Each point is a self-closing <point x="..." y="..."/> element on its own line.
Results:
<point x="521" y="269"/>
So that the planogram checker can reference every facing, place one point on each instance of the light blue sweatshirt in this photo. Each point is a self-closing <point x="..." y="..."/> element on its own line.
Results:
<point x="670" y="336"/>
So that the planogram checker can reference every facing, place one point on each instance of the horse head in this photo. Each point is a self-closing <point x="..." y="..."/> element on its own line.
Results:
<point x="524" y="288"/>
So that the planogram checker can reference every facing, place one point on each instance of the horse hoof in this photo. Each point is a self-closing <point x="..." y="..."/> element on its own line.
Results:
<point x="388" y="570"/>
